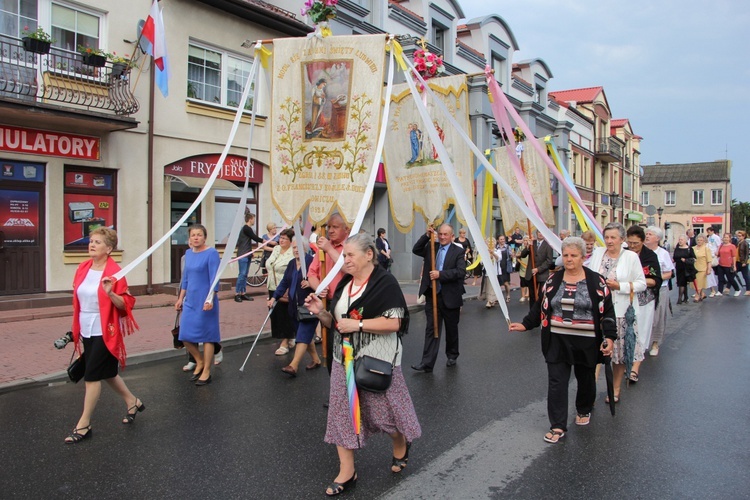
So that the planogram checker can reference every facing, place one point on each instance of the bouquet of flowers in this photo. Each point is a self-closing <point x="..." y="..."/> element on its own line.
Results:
<point x="320" y="10"/>
<point x="427" y="64"/>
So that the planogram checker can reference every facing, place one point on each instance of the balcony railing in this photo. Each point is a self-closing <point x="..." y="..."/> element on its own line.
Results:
<point x="609" y="150"/>
<point x="62" y="77"/>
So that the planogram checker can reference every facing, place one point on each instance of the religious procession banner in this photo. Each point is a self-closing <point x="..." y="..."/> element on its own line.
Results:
<point x="537" y="177"/>
<point x="325" y="118"/>
<point x="416" y="178"/>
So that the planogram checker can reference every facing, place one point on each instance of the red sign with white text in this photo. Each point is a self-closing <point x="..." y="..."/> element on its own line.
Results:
<point x="202" y="166"/>
<point x="708" y="219"/>
<point x="41" y="142"/>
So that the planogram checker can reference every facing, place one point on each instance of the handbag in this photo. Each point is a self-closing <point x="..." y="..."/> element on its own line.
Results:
<point x="373" y="374"/>
<point x="176" y="342"/>
<point x="77" y="368"/>
<point x="304" y="314"/>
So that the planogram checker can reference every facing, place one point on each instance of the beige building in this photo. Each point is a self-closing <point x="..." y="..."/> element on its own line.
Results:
<point x="690" y="195"/>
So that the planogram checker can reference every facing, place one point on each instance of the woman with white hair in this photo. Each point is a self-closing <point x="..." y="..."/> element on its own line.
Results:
<point x="653" y="236"/>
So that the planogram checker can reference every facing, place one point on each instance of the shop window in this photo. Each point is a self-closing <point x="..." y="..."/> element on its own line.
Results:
<point x="89" y="202"/>
<point x="16" y="16"/>
<point x="217" y="77"/>
<point x="225" y="208"/>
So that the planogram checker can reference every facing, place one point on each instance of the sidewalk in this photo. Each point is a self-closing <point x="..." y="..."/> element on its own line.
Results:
<point x="30" y="358"/>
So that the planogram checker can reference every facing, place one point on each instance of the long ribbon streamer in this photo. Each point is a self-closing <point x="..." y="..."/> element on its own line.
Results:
<point x="261" y="247"/>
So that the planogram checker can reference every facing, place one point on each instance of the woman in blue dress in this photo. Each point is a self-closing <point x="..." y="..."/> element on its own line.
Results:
<point x="200" y="319"/>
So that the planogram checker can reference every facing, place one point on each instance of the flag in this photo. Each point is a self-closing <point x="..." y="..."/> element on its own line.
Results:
<point x="153" y="31"/>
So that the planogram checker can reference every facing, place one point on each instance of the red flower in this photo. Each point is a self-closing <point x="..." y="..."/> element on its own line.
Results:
<point x="355" y="314"/>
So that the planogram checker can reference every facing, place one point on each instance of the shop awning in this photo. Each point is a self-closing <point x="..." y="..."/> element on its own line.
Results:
<point x="634" y="216"/>
<point x="200" y="182"/>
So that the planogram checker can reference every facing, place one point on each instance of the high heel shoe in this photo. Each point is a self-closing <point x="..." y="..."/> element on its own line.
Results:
<point x="399" y="464"/>
<point x="338" y="488"/>
<point x="76" y="437"/>
<point x="129" y="418"/>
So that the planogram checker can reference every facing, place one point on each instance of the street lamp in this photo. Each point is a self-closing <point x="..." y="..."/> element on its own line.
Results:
<point x="614" y="200"/>
<point x="659" y="211"/>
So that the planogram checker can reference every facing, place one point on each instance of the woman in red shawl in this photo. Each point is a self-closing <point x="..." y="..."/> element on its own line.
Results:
<point x="102" y="316"/>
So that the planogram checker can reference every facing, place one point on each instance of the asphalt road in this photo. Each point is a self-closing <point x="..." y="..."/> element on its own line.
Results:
<point x="681" y="432"/>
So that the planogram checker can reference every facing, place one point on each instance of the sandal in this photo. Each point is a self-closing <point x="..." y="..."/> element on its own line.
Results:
<point x="338" y="488"/>
<point x="76" y="437"/>
<point x="399" y="464"/>
<point x="554" y="436"/>
<point x="129" y="418"/>
<point x="318" y="339"/>
<point x="633" y="377"/>
<point x="281" y="351"/>
<point x="583" y="418"/>
<point x="617" y="399"/>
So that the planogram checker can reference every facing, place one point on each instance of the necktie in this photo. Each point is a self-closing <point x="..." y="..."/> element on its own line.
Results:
<point x="440" y="258"/>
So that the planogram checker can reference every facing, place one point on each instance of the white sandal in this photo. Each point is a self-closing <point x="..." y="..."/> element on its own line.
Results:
<point x="282" y="350"/>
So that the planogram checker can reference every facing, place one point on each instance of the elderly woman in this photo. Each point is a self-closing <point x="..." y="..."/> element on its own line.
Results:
<point x="703" y="258"/>
<point x="578" y="321"/>
<point x="200" y="319"/>
<point x="281" y="323"/>
<point x="298" y="289"/>
<point x="102" y="304"/>
<point x="684" y="263"/>
<point x="368" y="310"/>
<point x="623" y="273"/>
<point x="727" y="266"/>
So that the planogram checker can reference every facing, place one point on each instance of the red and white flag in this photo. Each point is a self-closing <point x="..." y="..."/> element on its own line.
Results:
<point x="153" y="31"/>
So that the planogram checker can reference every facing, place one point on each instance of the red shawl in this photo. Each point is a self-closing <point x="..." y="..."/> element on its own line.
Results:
<point x="116" y="323"/>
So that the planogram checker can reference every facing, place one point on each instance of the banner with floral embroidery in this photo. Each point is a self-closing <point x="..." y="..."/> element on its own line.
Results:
<point x="325" y="117"/>
<point x="416" y="179"/>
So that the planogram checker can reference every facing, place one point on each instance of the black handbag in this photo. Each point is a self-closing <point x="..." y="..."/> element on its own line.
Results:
<point x="77" y="368"/>
<point x="373" y="374"/>
<point x="176" y="342"/>
<point x="304" y="314"/>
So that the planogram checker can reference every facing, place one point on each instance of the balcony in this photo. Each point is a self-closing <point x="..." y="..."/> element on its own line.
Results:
<point x="61" y="77"/>
<point x="609" y="151"/>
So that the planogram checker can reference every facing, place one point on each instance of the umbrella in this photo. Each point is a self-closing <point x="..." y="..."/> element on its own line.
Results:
<point x="630" y="340"/>
<point x="347" y="352"/>
<point x="607" y="362"/>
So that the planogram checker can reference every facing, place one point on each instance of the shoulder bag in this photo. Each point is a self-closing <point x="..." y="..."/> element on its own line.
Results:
<point x="77" y="368"/>
<point x="373" y="374"/>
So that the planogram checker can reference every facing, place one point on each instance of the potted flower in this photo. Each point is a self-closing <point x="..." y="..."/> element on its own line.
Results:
<point x="120" y="64"/>
<point x="37" y="41"/>
<point x="93" y="56"/>
<point x="320" y="11"/>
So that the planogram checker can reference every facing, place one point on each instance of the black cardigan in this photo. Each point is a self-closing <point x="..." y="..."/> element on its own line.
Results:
<point x="605" y="324"/>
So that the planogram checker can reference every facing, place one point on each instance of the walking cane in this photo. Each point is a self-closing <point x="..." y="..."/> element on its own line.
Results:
<point x="242" y="368"/>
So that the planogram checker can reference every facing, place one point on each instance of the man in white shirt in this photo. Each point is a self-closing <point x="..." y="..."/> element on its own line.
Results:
<point x="713" y="242"/>
<point x="653" y="236"/>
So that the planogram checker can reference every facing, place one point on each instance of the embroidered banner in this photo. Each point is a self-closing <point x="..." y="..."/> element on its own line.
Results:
<point x="537" y="177"/>
<point x="325" y="118"/>
<point x="417" y="181"/>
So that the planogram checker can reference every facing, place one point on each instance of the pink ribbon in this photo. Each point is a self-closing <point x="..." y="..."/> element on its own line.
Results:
<point x="256" y="249"/>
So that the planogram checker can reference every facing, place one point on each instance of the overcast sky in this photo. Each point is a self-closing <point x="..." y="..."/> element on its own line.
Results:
<point x="678" y="70"/>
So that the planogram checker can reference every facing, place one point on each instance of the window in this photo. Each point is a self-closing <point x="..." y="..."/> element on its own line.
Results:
<point x="16" y="16"/>
<point x="217" y="77"/>
<point x="89" y="201"/>
<point x="438" y="37"/>
<point x="498" y="64"/>
<point x="645" y="198"/>
<point x="669" y="198"/>
<point x="73" y="27"/>
<point x="717" y="197"/>
<point x="697" y="197"/>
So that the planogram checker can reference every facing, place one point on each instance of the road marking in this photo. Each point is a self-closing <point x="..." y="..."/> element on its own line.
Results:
<point x="482" y="464"/>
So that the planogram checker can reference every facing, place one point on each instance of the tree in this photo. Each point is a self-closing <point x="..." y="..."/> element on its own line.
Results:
<point x="740" y="215"/>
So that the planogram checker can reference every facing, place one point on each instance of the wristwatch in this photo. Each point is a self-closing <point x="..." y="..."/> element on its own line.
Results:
<point x="361" y="325"/>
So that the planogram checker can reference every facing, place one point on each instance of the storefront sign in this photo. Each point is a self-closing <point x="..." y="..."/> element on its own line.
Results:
<point x="40" y="142"/>
<point x="708" y="219"/>
<point x="202" y="166"/>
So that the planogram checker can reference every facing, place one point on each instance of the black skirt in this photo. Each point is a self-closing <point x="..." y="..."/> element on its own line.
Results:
<point x="281" y="323"/>
<point x="100" y="363"/>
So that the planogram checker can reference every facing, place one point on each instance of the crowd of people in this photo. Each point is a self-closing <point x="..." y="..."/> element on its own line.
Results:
<point x="580" y="298"/>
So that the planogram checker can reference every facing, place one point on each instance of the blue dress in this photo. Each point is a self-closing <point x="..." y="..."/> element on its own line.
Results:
<point x="197" y="325"/>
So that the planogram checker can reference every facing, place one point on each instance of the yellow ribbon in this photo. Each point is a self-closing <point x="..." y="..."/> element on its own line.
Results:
<point x="398" y="51"/>
<point x="326" y="31"/>
<point x="264" y="55"/>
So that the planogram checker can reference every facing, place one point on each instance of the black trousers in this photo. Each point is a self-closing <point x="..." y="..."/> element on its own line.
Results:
<point x="557" y="392"/>
<point x="534" y="292"/>
<point x="445" y="315"/>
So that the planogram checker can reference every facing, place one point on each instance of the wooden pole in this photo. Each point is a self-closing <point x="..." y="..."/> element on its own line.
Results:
<point x="324" y="299"/>
<point x="434" y="284"/>
<point x="532" y="255"/>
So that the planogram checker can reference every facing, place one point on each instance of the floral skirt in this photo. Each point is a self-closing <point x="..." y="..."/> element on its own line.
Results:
<point x="618" y="355"/>
<point x="388" y="412"/>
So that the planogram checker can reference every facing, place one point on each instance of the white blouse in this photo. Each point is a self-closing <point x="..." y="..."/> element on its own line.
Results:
<point x="88" y="298"/>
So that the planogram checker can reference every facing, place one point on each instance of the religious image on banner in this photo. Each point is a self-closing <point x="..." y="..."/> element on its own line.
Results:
<point x="537" y="177"/>
<point x="416" y="178"/>
<point x="325" y="120"/>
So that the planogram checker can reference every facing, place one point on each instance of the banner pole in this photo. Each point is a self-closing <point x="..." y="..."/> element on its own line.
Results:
<point x="434" y="284"/>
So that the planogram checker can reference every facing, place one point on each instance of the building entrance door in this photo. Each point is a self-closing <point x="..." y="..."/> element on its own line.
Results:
<point x="180" y="237"/>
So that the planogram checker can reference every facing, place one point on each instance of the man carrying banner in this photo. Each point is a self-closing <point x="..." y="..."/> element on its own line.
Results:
<point x="541" y="259"/>
<point x="338" y="232"/>
<point x="448" y="276"/>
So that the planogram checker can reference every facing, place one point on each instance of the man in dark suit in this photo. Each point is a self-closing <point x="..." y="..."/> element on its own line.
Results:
<point x="448" y="277"/>
<point x="543" y="259"/>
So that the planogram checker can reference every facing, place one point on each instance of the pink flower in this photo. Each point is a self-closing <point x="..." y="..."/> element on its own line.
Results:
<point x="420" y="66"/>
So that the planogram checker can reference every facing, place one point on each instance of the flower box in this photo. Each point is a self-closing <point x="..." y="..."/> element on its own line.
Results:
<point x="36" y="46"/>
<point x="94" y="60"/>
<point x="118" y="69"/>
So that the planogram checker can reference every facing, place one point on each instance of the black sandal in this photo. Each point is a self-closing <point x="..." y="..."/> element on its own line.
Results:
<point x="76" y="437"/>
<point x="633" y="377"/>
<point x="129" y="418"/>
<point x="399" y="464"/>
<point x="339" y="488"/>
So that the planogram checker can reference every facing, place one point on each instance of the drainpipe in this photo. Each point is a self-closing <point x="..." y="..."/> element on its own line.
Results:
<point x="150" y="195"/>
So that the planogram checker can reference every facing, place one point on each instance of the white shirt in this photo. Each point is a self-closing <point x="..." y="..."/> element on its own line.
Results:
<point x="88" y="298"/>
<point x="665" y="262"/>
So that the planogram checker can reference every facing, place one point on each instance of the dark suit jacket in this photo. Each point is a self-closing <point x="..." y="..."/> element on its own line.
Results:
<point x="451" y="277"/>
<point x="544" y="260"/>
